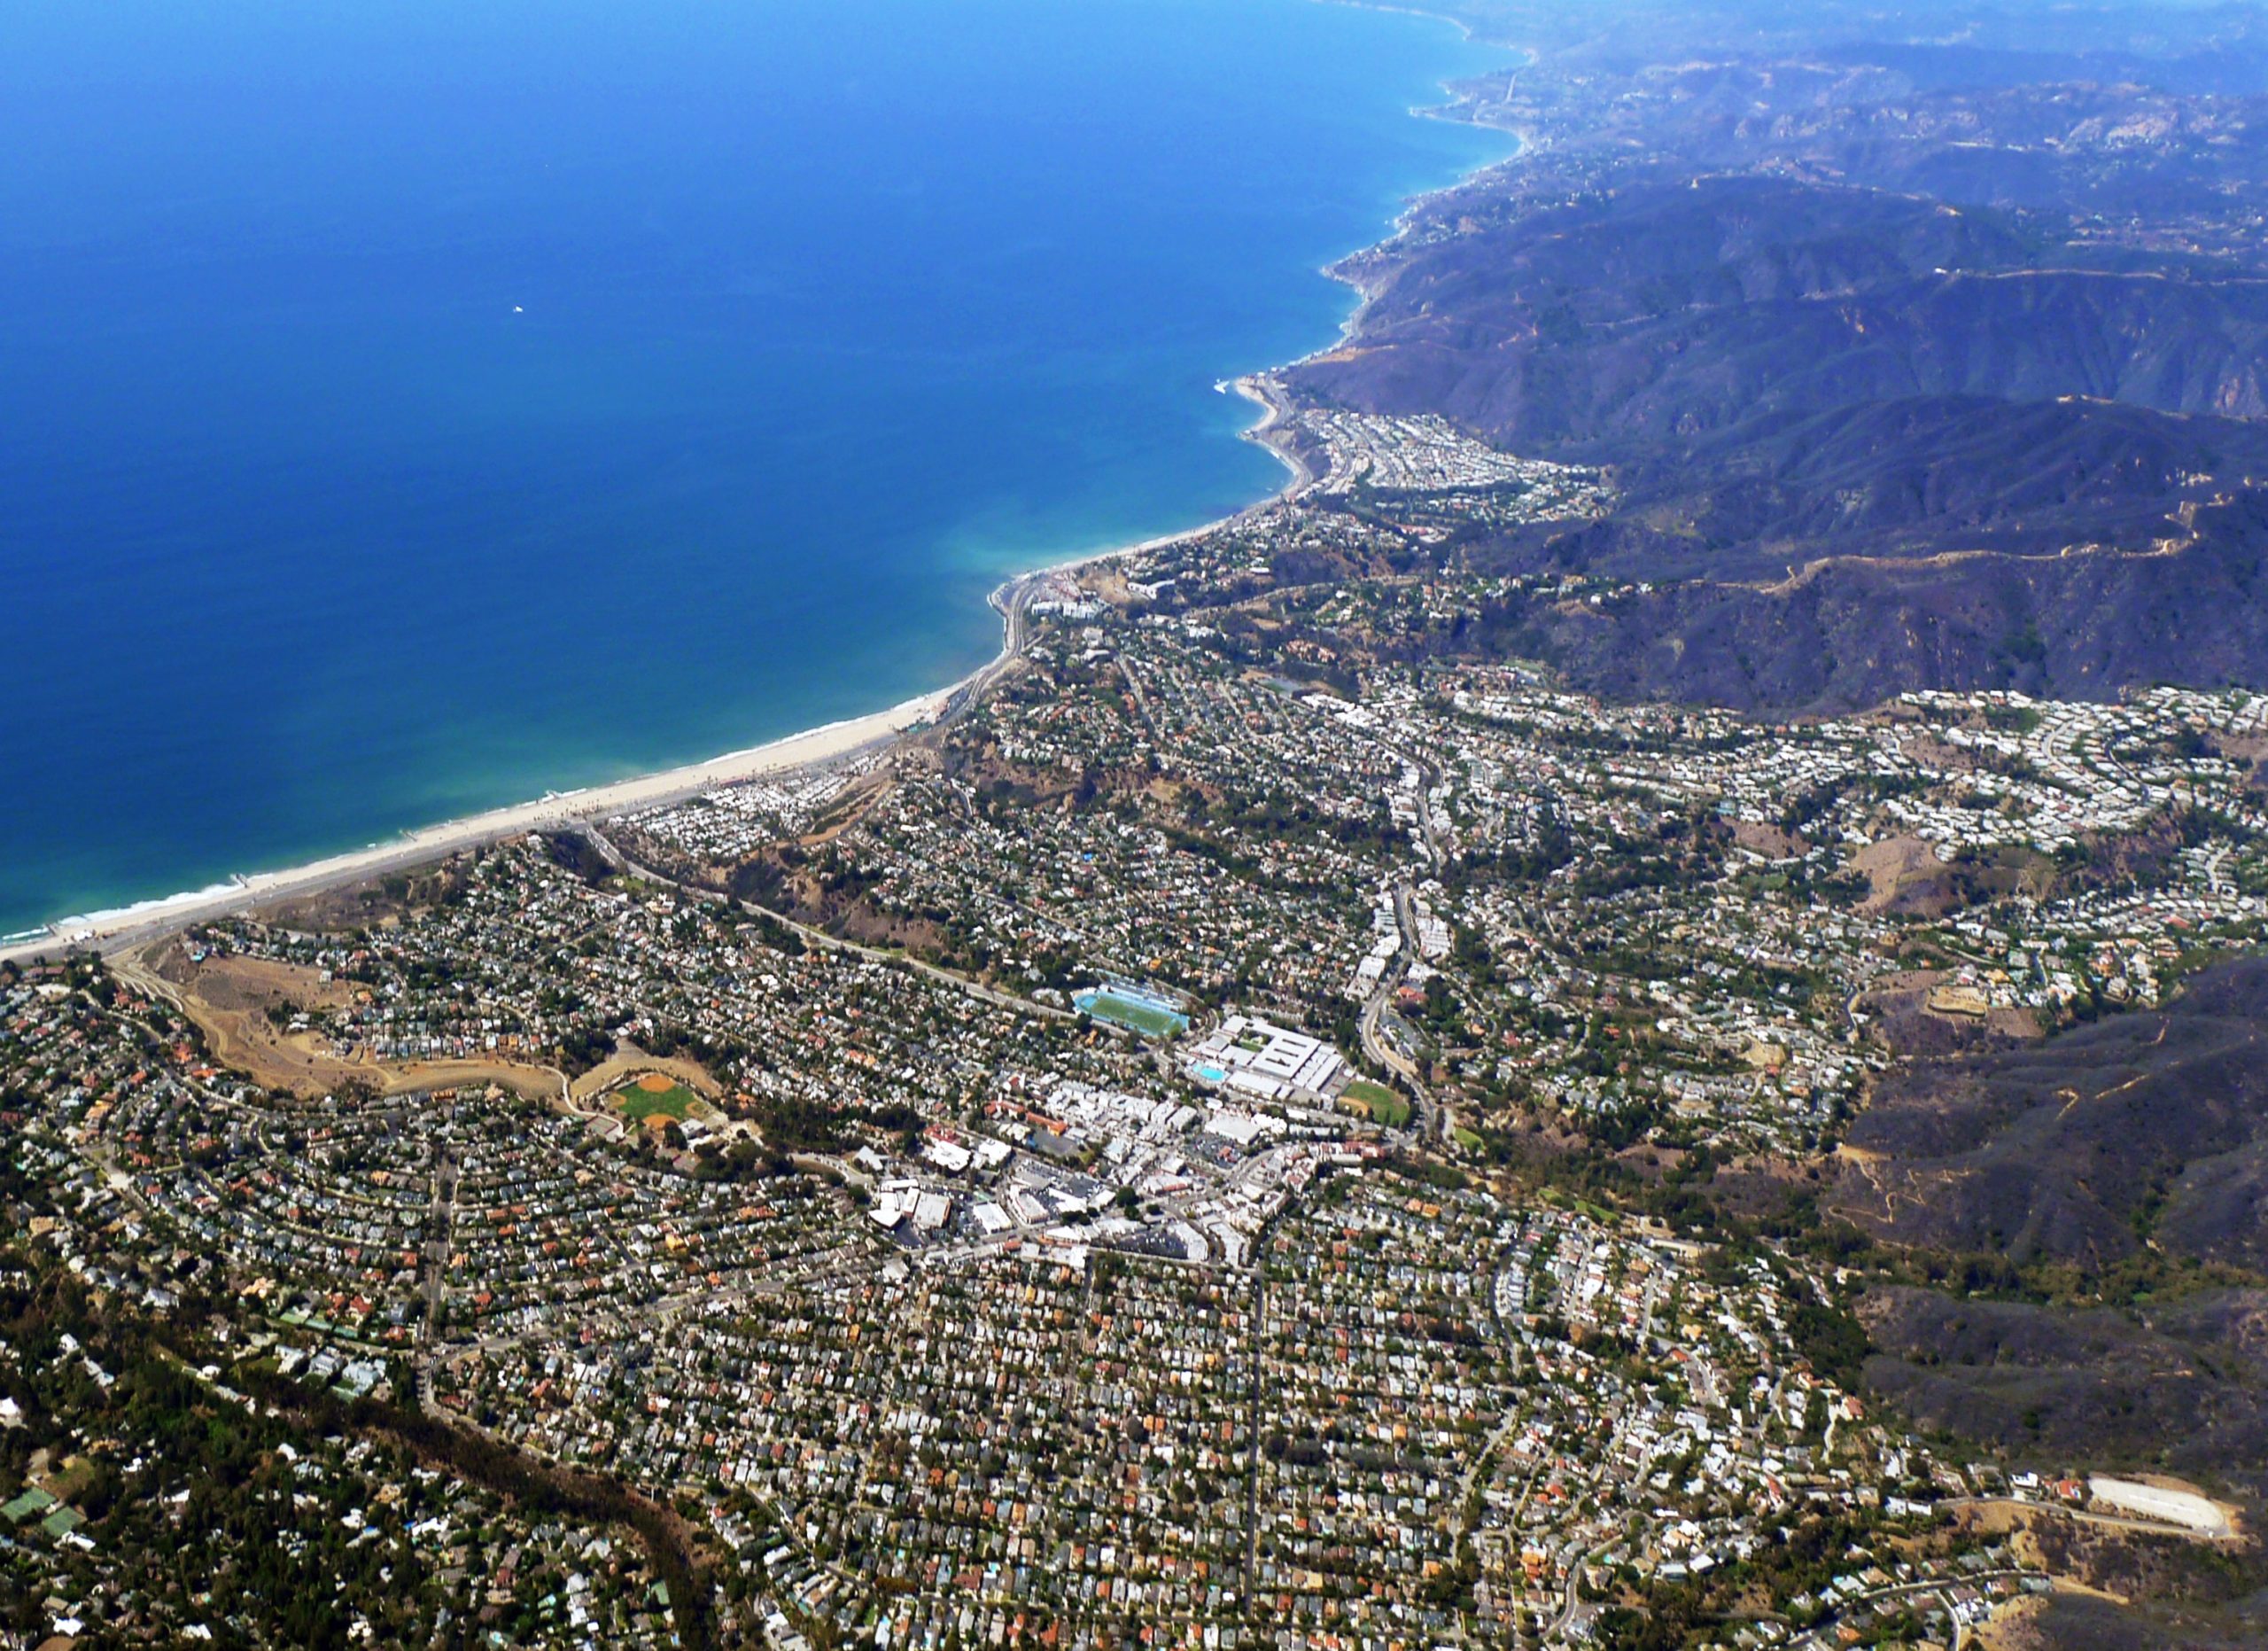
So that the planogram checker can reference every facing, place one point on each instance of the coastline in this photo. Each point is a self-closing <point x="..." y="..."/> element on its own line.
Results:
<point x="147" y="920"/>
<point x="830" y="742"/>
<point x="116" y="929"/>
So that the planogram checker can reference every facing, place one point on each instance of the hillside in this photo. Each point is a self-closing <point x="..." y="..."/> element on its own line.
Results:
<point x="2146" y="1129"/>
<point x="1913" y="364"/>
<point x="2093" y="1186"/>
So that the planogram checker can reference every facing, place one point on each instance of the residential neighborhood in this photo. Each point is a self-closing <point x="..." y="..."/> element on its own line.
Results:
<point x="1194" y="1148"/>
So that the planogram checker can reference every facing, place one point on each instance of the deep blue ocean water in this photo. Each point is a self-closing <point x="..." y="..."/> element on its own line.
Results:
<point x="412" y="407"/>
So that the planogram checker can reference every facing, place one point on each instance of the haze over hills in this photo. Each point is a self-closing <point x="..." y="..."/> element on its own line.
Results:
<point x="1826" y="303"/>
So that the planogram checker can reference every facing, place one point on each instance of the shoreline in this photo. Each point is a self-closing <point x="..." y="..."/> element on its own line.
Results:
<point x="116" y="929"/>
<point x="147" y="920"/>
<point x="831" y="742"/>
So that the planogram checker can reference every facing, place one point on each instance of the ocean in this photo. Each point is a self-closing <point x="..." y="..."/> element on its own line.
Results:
<point x="414" y="408"/>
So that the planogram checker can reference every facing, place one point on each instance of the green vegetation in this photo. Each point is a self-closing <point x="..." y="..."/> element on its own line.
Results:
<point x="638" y="1103"/>
<point x="1145" y="1018"/>
<point x="1384" y="1106"/>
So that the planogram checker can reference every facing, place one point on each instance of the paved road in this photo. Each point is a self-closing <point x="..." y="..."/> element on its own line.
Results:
<point x="552" y="813"/>
<point x="1817" y="1634"/>
<point x="440" y="1234"/>
<point x="825" y="941"/>
<point x="1431" y="1119"/>
<point x="2088" y="1517"/>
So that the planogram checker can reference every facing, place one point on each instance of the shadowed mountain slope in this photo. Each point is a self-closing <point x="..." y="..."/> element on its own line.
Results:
<point x="2146" y="1128"/>
<point x="1912" y="366"/>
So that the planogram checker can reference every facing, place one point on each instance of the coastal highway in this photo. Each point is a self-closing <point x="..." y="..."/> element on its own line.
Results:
<point x="111" y="931"/>
<point x="836" y="742"/>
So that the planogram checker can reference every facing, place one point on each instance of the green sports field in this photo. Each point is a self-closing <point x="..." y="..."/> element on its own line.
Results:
<point x="1146" y="1019"/>
<point x="1382" y="1103"/>
<point x="640" y="1102"/>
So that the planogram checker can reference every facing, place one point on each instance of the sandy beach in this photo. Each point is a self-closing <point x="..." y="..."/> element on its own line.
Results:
<point x="112" y="930"/>
<point x="1263" y="391"/>
<point x="109" y="930"/>
<point x="132" y="925"/>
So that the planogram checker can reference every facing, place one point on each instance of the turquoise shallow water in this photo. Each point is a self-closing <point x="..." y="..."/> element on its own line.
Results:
<point x="412" y="408"/>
